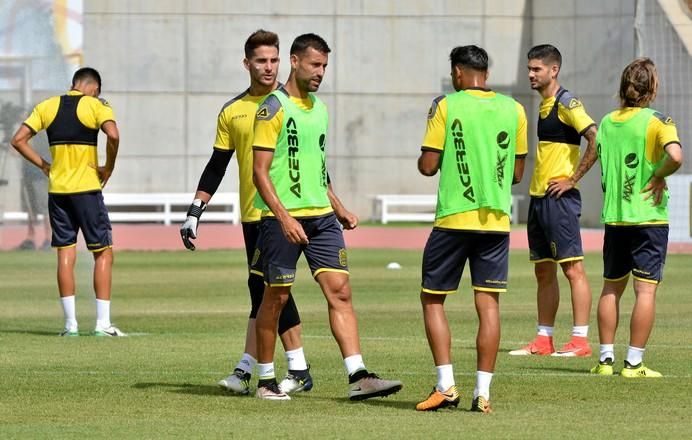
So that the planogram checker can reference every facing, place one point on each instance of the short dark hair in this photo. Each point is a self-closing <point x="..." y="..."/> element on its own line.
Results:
<point x="546" y="53"/>
<point x="303" y="42"/>
<point x="260" y="38"/>
<point x="86" y="74"/>
<point x="472" y="57"/>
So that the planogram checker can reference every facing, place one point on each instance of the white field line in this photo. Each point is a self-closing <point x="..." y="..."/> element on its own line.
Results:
<point x="501" y="373"/>
<point x="471" y="342"/>
<point x="515" y="344"/>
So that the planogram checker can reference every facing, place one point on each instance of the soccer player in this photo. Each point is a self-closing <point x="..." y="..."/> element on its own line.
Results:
<point x="75" y="179"/>
<point x="301" y="214"/>
<point x="234" y="132"/>
<point x="476" y="138"/>
<point x="555" y="207"/>
<point x="638" y="148"/>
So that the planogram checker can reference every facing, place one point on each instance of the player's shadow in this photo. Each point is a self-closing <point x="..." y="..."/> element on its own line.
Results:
<point x="184" y="388"/>
<point x="386" y="402"/>
<point x="376" y="401"/>
<point x="544" y="368"/>
<point x="31" y="332"/>
<point x="466" y="347"/>
<point x="410" y="405"/>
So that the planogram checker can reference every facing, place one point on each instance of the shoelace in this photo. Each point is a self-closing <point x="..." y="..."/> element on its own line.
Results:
<point x="294" y="376"/>
<point x="297" y="377"/>
<point x="572" y="346"/>
<point x="371" y="376"/>
<point x="481" y="403"/>
<point x="300" y="380"/>
<point x="273" y="387"/>
<point x="240" y="374"/>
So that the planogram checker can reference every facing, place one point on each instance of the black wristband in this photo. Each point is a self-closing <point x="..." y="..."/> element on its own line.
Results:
<point x="196" y="211"/>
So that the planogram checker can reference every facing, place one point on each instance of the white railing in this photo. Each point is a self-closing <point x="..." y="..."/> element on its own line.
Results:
<point x="680" y="190"/>
<point x="419" y="207"/>
<point x="166" y="208"/>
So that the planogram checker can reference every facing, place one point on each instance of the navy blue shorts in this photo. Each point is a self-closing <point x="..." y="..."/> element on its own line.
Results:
<point x="289" y="316"/>
<point x="446" y="253"/>
<point x="277" y="258"/>
<point x="86" y="211"/>
<point x="637" y="249"/>
<point x="553" y="228"/>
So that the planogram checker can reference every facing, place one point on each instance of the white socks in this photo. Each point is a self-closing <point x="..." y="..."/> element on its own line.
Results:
<point x="296" y="359"/>
<point x="445" y="377"/>
<point x="445" y="380"/>
<point x="247" y="363"/>
<point x="68" y="308"/>
<point x="266" y="371"/>
<point x="483" y="380"/>
<point x="354" y="363"/>
<point x="634" y="355"/>
<point x="580" y="330"/>
<point x="545" y="330"/>
<point x="103" y="313"/>
<point x="607" y="352"/>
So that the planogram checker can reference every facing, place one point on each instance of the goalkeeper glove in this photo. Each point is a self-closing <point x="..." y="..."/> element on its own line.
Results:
<point x="188" y="230"/>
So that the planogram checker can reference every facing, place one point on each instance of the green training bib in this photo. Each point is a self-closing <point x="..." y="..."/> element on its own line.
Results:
<point x="477" y="163"/>
<point x="298" y="170"/>
<point x="625" y="171"/>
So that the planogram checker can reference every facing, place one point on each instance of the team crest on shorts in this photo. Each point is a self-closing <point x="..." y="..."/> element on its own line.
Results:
<point x="343" y="257"/>
<point x="255" y="257"/>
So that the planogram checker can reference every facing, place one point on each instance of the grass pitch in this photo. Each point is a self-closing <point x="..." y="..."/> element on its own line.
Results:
<point x="187" y="314"/>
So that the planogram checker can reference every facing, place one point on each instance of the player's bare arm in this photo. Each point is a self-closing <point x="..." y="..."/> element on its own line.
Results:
<point x="20" y="142"/>
<point x="657" y="184"/>
<point x="519" y="163"/>
<point x="112" y="143"/>
<point x="347" y="219"/>
<point x="292" y="230"/>
<point x="429" y="162"/>
<point x="559" y="186"/>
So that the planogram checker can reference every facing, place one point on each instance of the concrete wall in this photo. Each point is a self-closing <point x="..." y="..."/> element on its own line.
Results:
<point x="31" y="69"/>
<point x="596" y="40"/>
<point x="168" y="66"/>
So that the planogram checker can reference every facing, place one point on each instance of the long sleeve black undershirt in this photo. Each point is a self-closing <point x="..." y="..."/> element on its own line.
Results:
<point x="214" y="171"/>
